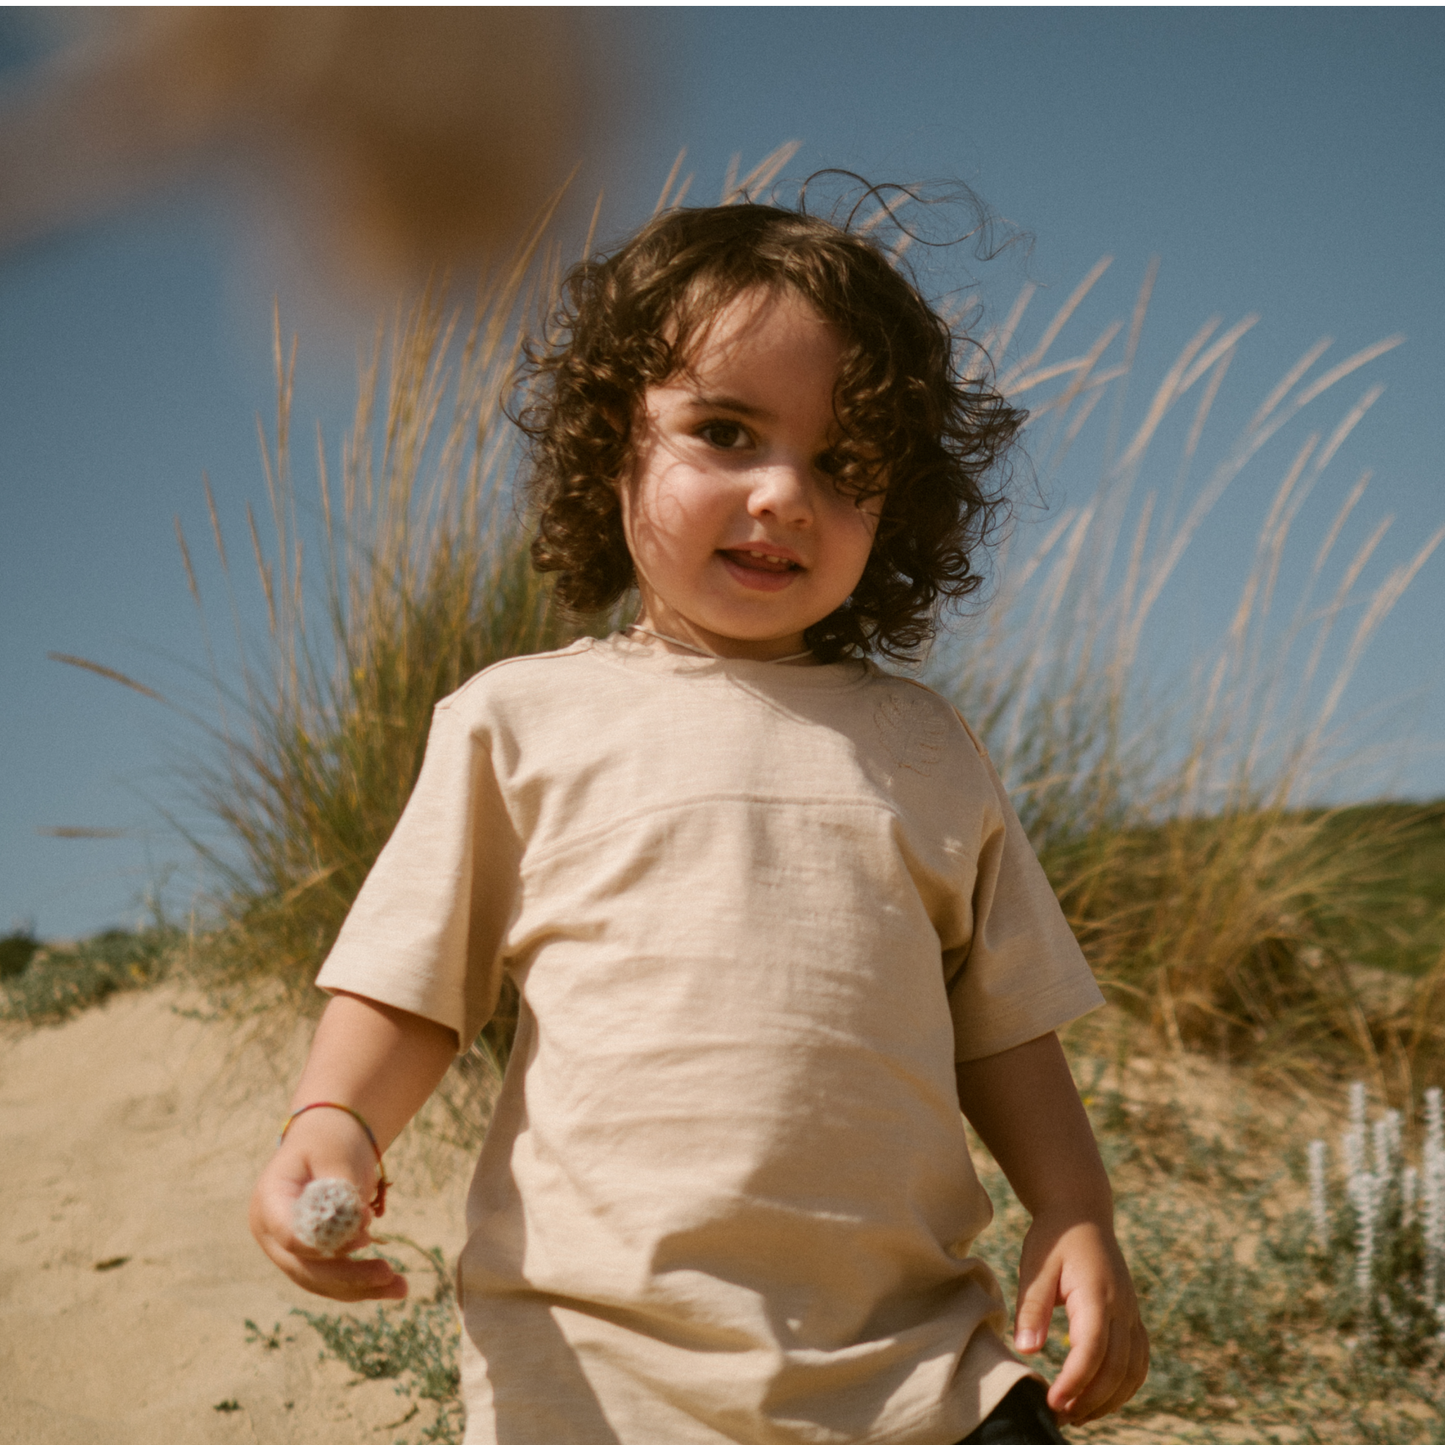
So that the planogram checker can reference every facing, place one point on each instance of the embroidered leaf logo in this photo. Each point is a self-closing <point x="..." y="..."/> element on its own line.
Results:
<point x="912" y="732"/>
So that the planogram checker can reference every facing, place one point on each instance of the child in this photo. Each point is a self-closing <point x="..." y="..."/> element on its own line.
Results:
<point x="771" y="916"/>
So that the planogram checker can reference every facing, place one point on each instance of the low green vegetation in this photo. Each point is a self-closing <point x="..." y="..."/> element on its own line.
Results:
<point x="57" y="980"/>
<point x="414" y="1344"/>
<point x="1399" y="923"/>
<point x="1293" y="941"/>
<point x="1260" y="1316"/>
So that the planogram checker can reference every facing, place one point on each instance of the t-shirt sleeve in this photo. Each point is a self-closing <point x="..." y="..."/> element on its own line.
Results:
<point x="1023" y="973"/>
<point x="426" y="929"/>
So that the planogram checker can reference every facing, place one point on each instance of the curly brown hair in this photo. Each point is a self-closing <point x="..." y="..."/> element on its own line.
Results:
<point x="912" y="426"/>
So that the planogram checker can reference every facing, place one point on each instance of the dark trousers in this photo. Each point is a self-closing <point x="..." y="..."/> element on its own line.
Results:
<point x="1022" y="1417"/>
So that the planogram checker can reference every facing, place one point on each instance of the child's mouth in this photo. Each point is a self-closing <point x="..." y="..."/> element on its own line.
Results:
<point x="759" y="561"/>
<point x="759" y="571"/>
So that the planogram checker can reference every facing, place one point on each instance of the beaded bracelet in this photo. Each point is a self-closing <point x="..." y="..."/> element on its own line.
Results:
<point x="378" y="1204"/>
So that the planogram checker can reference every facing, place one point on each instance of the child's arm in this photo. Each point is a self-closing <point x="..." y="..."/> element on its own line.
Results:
<point x="383" y="1063"/>
<point x="1026" y="1109"/>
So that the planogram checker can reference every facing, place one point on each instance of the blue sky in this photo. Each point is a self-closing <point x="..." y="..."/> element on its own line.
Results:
<point x="1285" y="162"/>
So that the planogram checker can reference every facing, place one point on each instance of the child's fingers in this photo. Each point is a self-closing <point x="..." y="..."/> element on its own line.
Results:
<point x="338" y="1277"/>
<point x="1105" y="1366"/>
<point x="1038" y="1294"/>
<point x="1079" y="1265"/>
<point x="1089" y="1347"/>
<point x="1135" y="1371"/>
<point x="352" y="1279"/>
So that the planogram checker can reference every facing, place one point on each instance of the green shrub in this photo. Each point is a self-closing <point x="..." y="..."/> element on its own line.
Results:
<point x="1217" y="905"/>
<point x="16" y="951"/>
<point x="60" y="980"/>
<point x="414" y="1343"/>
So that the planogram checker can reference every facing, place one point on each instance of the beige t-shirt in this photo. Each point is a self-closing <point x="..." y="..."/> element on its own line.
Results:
<point x="755" y="912"/>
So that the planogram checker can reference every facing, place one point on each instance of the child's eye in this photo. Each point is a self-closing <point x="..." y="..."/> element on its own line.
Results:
<point x="725" y="435"/>
<point x="829" y="463"/>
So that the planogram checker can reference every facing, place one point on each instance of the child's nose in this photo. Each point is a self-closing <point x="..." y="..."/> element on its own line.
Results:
<point x="783" y="490"/>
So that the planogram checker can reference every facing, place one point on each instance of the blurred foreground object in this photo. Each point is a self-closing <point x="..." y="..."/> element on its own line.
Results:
<point x="396" y="139"/>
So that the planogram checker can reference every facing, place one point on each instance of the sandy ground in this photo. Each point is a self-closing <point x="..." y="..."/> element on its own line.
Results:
<point x="133" y="1133"/>
<point x="129" y="1140"/>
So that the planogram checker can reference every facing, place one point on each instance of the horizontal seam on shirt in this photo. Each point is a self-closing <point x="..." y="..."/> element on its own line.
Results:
<point x="771" y="800"/>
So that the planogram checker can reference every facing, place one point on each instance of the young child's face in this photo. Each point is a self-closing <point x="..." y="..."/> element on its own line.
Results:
<point x="739" y="538"/>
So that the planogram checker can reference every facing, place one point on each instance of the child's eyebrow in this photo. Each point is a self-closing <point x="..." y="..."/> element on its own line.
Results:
<point x="731" y="403"/>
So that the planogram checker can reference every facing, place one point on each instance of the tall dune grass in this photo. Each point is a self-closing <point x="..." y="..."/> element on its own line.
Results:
<point x="1175" y="815"/>
<point x="423" y="579"/>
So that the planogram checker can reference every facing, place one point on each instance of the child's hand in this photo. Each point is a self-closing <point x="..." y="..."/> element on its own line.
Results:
<point x="1025" y="1107"/>
<point x="382" y="1062"/>
<point x="322" y="1149"/>
<point x="1077" y="1263"/>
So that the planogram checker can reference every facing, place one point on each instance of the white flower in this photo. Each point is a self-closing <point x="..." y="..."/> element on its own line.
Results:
<point x="328" y="1214"/>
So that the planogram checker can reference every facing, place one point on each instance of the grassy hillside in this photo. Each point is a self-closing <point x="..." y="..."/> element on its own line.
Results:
<point x="1401" y="927"/>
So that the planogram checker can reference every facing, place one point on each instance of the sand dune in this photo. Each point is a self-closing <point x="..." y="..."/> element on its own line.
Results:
<point x="133" y="1133"/>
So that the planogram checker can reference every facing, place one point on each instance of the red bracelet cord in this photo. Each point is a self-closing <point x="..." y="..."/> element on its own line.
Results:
<point x="378" y="1204"/>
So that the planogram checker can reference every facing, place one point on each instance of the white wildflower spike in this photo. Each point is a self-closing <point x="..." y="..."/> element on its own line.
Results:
<point x="1319" y="1206"/>
<point x="1357" y="1104"/>
<point x="327" y="1215"/>
<point x="1388" y="1196"/>
<point x="1364" y="1195"/>
<point x="1433" y="1195"/>
<point x="1384" y="1160"/>
<point x="1434" y="1236"/>
<point x="1352" y="1148"/>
